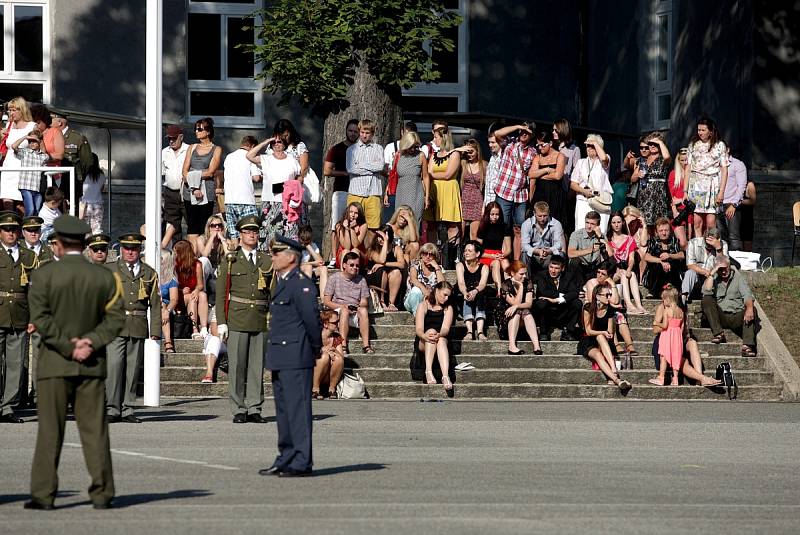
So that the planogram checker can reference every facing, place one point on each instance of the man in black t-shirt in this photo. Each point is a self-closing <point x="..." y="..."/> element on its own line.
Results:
<point x="335" y="167"/>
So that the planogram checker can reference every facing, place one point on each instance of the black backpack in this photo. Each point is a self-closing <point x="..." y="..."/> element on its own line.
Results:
<point x="725" y="374"/>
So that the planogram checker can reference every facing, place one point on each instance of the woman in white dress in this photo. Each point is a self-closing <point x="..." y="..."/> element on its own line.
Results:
<point x="708" y="174"/>
<point x="20" y="123"/>
<point x="589" y="179"/>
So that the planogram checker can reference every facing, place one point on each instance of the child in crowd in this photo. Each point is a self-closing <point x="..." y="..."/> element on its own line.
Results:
<point x="91" y="204"/>
<point x="29" y="181"/>
<point x="53" y="197"/>
<point x="311" y="263"/>
<point x="670" y="340"/>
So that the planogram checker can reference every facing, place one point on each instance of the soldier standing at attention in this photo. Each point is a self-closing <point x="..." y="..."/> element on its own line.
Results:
<point x="97" y="248"/>
<point x="31" y="232"/>
<point x="295" y="343"/>
<point x="140" y="292"/>
<point x="77" y="309"/>
<point x="16" y="264"/>
<point x="242" y="305"/>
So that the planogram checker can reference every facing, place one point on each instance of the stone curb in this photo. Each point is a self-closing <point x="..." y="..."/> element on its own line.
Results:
<point x="778" y="360"/>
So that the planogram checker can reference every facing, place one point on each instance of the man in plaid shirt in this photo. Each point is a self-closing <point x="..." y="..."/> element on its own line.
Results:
<point x="29" y="181"/>
<point x="513" y="187"/>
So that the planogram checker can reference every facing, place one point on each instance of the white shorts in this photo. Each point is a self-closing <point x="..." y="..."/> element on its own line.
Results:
<point x="338" y="204"/>
<point x="352" y="319"/>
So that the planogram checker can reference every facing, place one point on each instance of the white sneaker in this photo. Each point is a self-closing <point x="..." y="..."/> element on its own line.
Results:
<point x="203" y="332"/>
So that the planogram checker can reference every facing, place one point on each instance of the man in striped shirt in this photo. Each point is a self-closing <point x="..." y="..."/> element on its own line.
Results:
<point x="366" y="165"/>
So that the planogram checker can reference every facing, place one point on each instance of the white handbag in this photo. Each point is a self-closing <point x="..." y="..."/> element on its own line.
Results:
<point x="311" y="191"/>
<point x="351" y="387"/>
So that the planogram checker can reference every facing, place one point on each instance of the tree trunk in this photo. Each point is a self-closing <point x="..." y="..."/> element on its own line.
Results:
<point x="366" y="101"/>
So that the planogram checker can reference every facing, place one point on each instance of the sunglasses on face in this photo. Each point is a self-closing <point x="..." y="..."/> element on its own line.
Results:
<point x="426" y="253"/>
<point x="199" y="129"/>
<point x="651" y="145"/>
<point x="216" y="225"/>
<point x="540" y="145"/>
<point x="351" y="265"/>
<point x="643" y="147"/>
<point x="99" y="249"/>
<point x="8" y="229"/>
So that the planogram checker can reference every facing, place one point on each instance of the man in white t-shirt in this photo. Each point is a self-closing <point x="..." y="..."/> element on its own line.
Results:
<point x="172" y="157"/>
<point x="240" y="174"/>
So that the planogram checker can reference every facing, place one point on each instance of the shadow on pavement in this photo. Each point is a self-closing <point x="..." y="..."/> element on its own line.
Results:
<point x="174" y="416"/>
<point x="11" y="498"/>
<point x="366" y="467"/>
<point x="130" y="500"/>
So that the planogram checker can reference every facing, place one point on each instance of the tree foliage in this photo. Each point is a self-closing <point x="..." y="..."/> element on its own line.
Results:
<point x="310" y="49"/>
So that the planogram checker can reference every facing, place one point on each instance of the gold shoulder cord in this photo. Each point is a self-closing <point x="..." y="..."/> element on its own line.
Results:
<point x="142" y="291"/>
<point x="117" y="291"/>
<point x="23" y="276"/>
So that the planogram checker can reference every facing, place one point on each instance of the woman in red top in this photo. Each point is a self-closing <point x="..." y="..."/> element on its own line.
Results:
<point x="191" y="297"/>
<point x="676" y="180"/>
<point x="622" y="248"/>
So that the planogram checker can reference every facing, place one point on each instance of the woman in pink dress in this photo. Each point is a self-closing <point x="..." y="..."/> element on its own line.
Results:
<point x="473" y="171"/>
<point x="670" y="341"/>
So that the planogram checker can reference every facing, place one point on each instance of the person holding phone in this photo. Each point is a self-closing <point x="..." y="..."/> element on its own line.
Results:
<point x="347" y="292"/>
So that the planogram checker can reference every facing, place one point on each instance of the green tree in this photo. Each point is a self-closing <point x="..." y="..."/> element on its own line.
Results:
<point x="351" y="58"/>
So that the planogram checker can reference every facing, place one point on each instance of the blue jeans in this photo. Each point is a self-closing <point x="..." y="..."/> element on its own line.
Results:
<point x="515" y="209"/>
<point x="413" y="298"/>
<point x="32" y="201"/>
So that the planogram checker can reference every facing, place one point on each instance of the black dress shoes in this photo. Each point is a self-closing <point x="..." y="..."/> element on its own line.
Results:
<point x="271" y="471"/>
<point x="295" y="473"/>
<point x="131" y="419"/>
<point x="11" y="418"/>
<point x="517" y="352"/>
<point x="38" y="506"/>
<point x="256" y="419"/>
<point x="240" y="419"/>
<point x="104" y="505"/>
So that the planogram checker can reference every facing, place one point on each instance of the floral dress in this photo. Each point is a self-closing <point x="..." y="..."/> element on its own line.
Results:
<point x="705" y="168"/>
<point x="654" y="199"/>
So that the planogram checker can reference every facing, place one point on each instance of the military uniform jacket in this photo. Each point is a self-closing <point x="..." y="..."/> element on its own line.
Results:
<point x="249" y="282"/>
<point x="77" y="153"/>
<point x="75" y="298"/>
<point x="45" y="253"/>
<point x="139" y="294"/>
<point x="295" y="329"/>
<point x="14" y="277"/>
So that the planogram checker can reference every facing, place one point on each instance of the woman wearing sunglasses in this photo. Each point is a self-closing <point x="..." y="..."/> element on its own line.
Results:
<point x="598" y="335"/>
<point x="329" y="367"/>
<point x="204" y="157"/>
<point x="651" y="171"/>
<point x="546" y="174"/>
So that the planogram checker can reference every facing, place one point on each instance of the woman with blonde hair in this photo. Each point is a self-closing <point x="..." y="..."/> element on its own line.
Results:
<point x="404" y="224"/>
<point x="590" y="179"/>
<point x="169" y="297"/>
<point x="675" y="182"/>
<point x="444" y="207"/>
<point x="473" y="173"/>
<point x="423" y="275"/>
<point x="413" y="182"/>
<point x="20" y="123"/>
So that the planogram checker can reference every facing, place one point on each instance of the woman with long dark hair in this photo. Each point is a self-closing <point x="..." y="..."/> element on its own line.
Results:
<point x="622" y="248"/>
<point x="546" y="175"/>
<point x="204" y="157"/>
<point x="708" y="174"/>
<point x="652" y="171"/>
<point x="91" y="203"/>
<point x="495" y="237"/>
<point x="598" y="335"/>
<point x="433" y="320"/>
<point x="517" y="293"/>
<point x="351" y="232"/>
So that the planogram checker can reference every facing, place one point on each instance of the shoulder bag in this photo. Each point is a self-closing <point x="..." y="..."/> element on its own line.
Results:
<point x="351" y="387"/>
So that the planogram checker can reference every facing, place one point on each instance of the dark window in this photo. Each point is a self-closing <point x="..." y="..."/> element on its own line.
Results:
<point x="203" y="41"/>
<point x="240" y="61"/>
<point x="447" y="62"/>
<point x="219" y="103"/>
<point x="28" y="54"/>
<point x="663" y="107"/>
<point x="30" y="92"/>
<point x="429" y="104"/>
<point x="662" y="61"/>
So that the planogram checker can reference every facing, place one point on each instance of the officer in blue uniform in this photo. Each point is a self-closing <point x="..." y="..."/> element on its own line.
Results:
<point x="294" y="344"/>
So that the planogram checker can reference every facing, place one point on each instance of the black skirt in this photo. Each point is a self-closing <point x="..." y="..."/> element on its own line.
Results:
<point x="551" y="192"/>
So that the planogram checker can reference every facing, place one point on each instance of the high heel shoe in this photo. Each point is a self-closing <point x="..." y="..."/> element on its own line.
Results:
<point x="429" y="378"/>
<point x="517" y="352"/>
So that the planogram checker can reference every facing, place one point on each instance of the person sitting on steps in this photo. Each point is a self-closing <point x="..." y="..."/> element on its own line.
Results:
<point x="433" y="321"/>
<point x="517" y="291"/>
<point x="729" y="303"/>
<point x="557" y="303"/>
<point x="598" y="333"/>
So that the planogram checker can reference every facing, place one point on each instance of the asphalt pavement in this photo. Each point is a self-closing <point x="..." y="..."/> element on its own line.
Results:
<point x="434" y="467"/>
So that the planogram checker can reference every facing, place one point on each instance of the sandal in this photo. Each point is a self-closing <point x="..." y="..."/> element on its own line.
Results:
<point x="482" y="337"/>
<point x="197" y="336"/>
<point x="656" y="381"/>
<point x="718" y="339"/>
<point x="316" y="395"/>
<point x="332" y="394"/>
<point x="709" y="382"/>
<point x="169" y="347"/>
<point x="367" y="350"/>
<point x="207" y="380"/>
<point x="390" y="308"/>
<point x="448" y="386"/>
<point x="632" y="351"/>
<point x="748" y="351"/>
<point x="429" y="378"/>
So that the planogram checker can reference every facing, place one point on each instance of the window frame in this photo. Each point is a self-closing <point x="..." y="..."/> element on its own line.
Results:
<point x="226" y="85"/>
<point x="459" y="89"/>
<point x="8" y="73"/>
<point x="661" y="88"/>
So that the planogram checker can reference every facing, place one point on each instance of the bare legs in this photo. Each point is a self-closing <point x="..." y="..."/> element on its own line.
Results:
<point x="710" y="221"/>
<point x="440" y="351"/>
<point x="513" y="330"/>
<point x="630" y="292"/>
<point x="330" y="367"/>
<point x="395" y="280"/>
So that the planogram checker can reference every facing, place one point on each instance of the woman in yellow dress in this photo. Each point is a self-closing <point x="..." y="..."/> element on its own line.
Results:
<point x="444" y="202"/>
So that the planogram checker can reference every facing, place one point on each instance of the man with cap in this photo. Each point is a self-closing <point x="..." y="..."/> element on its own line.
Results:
<point x="16" y="265"/>
<point x="140" y="293"/>
<point x="77" y="309"/>
<point x="294" y="345"/>
<point x="77" y="152"/>
<point x="31" y="231"/>
<point x="97" y="248"/>
<point x="172" y="158"/>
<point x="243" y="291"/>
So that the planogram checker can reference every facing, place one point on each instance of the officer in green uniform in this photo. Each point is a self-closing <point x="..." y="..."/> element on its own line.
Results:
<point x="243" y="290"/>
<point x="31" y="233"/>
<point x="77" y="309"/>
<point x="97" y="248"/>
<point x="16" y="264"/>
<point x="126" y="352"/>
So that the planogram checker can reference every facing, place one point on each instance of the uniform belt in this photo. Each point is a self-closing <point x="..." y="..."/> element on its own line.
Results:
<point x="248" y="301"/>
<point x="14" y="294"/>
<point x="136" y="313"/>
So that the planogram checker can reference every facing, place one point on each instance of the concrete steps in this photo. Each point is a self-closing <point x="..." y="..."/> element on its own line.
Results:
<point x="558" y="374"/>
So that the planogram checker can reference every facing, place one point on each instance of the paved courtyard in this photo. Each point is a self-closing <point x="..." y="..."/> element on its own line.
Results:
<point x="436" y="467"/>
